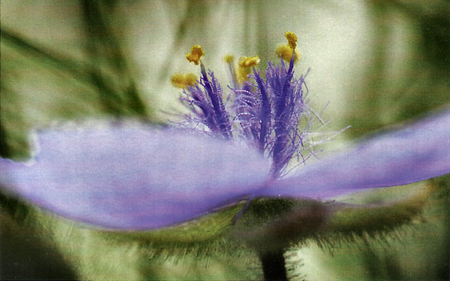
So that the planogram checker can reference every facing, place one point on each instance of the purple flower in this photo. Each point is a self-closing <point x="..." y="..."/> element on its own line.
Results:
<point x="268" y="112"/>
<point x="127" y="176"/>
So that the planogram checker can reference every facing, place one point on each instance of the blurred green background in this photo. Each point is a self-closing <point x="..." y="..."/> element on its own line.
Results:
<point x="376" y="63"/>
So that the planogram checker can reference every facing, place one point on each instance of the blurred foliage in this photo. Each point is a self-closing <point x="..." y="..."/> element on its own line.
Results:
<point x="27" y="256"/>
<point x="41" y="84"/>
<point x="395" y="93"/>
<point x="45" y="83"/>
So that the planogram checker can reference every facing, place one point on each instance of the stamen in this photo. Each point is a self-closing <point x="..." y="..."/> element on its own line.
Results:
<point x="245" y="64"/>
<point x="228" y="58"/>
<point x="286" y="51"/>
<point x="249" y="61"/>
<point x="182" y="81"/>
<point x="195" y="54"/>
<point x="292" y="39"/>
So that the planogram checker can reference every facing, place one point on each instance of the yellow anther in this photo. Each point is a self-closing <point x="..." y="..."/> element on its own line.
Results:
<point x="245" y="63"/>
<point x="195" y="54"/>
<point x="292" y="39"/>
<point x="180" y="80"/>
<point x="285" y="51"/>
<point x="228" y="58"/>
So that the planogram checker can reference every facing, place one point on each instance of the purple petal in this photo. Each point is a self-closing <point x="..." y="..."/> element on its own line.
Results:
<point x="134" y="178"/>
<point x="415" y="153"/>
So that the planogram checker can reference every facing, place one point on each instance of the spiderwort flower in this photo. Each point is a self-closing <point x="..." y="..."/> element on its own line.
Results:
<point x="139" y="177"/>
<point x="268" y="112"/>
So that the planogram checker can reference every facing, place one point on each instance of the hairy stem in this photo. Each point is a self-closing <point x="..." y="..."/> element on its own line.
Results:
<point x="274" y="265"/>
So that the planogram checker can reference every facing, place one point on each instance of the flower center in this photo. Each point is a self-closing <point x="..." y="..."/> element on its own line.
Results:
<point x="266" y="112"/>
